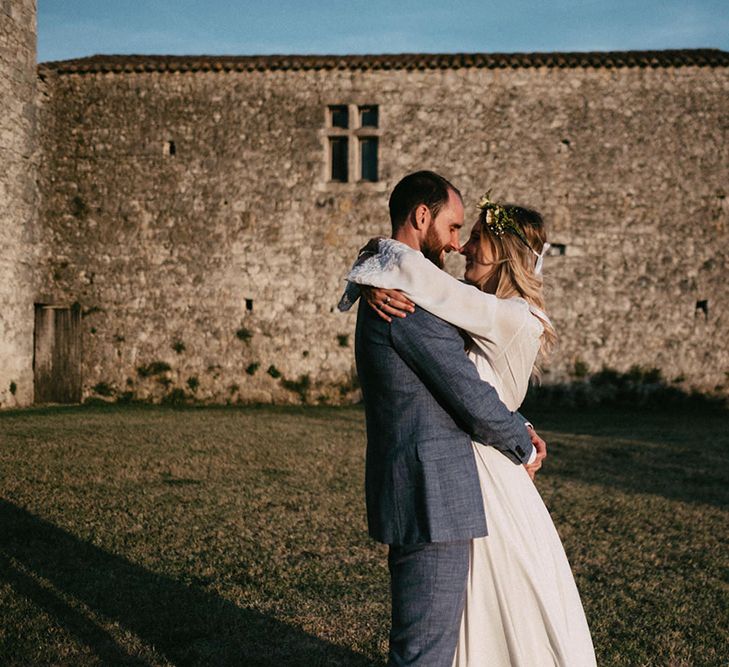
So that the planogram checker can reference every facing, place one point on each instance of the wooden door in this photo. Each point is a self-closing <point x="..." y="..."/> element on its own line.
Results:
<point x="57" y="355"/>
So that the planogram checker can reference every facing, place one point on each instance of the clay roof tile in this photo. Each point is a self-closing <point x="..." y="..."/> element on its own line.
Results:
<point x="407" y="61"/>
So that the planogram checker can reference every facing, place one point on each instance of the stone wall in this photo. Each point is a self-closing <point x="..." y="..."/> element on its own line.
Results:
<point x="215" y="270"/>
<point x="18" y="199"/>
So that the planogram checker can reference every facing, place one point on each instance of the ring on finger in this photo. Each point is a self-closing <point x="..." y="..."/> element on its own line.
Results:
<point x="387" y="300"/>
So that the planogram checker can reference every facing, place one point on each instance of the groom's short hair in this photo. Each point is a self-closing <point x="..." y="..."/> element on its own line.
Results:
<point x="420" y="187"/>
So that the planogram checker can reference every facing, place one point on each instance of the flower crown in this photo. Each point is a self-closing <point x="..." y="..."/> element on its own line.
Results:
<point x="500" y="219"/>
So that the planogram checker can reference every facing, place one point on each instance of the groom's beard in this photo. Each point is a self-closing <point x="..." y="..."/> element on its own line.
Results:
<point x="433" y="248"/>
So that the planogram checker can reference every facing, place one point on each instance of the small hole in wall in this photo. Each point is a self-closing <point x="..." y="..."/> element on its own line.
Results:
<point x="557" y="249"/>
<point x="249" y="304"/>
<point x="170" y="148"/>
<point x="702" y="306"/>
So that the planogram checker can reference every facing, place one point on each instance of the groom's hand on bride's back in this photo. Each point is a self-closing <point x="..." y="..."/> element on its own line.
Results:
<point x="541" y="448"/>
<point x="387" y="302"/>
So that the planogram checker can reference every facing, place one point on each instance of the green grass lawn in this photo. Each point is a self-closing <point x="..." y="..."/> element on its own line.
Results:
<point x="236" y="536"/>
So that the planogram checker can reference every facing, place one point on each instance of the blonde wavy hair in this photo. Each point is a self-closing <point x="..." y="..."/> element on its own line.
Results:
<point x="514" y="266"/>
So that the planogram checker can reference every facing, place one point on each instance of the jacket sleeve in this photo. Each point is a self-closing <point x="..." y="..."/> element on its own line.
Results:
<point x="434" y="351"/>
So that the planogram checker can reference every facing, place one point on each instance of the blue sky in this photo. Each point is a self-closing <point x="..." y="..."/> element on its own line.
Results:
<point x="76" y="28"/>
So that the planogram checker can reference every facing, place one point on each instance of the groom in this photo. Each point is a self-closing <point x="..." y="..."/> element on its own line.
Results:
<point x="424" y="403"/>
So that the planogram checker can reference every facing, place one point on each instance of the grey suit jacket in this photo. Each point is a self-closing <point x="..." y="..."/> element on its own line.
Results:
<point x="424" y="403"/>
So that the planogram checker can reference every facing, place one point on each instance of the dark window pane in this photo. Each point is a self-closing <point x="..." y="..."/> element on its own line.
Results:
<point x="339" y="116"/>
<point x="340" y="158"/>
<point x="368" y="116"/>
<point x="368" y="150"/>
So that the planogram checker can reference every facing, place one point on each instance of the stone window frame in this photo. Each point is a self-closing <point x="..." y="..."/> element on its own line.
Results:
<point x="354" y="133"/>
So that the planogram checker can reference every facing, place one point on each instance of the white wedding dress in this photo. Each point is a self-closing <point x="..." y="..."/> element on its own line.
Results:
<point x="522" y="606"/>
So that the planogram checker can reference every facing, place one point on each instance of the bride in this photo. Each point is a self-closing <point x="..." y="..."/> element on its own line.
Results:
<point x="522" y="606"/>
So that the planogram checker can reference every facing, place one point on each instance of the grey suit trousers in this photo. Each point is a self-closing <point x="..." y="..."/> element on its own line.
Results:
<point x="428" y="593"/>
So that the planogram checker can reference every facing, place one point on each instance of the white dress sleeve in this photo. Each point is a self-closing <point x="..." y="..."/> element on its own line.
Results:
<point x="483" y="315"/>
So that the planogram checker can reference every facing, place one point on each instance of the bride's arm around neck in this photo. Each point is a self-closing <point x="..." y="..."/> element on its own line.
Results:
<point x="481" y="314"/>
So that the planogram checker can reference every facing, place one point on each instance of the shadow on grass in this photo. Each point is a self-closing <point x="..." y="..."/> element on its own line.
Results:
<point x="188" y="626"/>
<point x="680" y="454"/>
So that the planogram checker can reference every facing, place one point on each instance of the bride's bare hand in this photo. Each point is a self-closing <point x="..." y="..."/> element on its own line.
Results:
<point x="387" y="302"/>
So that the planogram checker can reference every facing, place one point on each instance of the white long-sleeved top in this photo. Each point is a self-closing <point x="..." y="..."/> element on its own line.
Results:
<point x="506" y="332"/>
